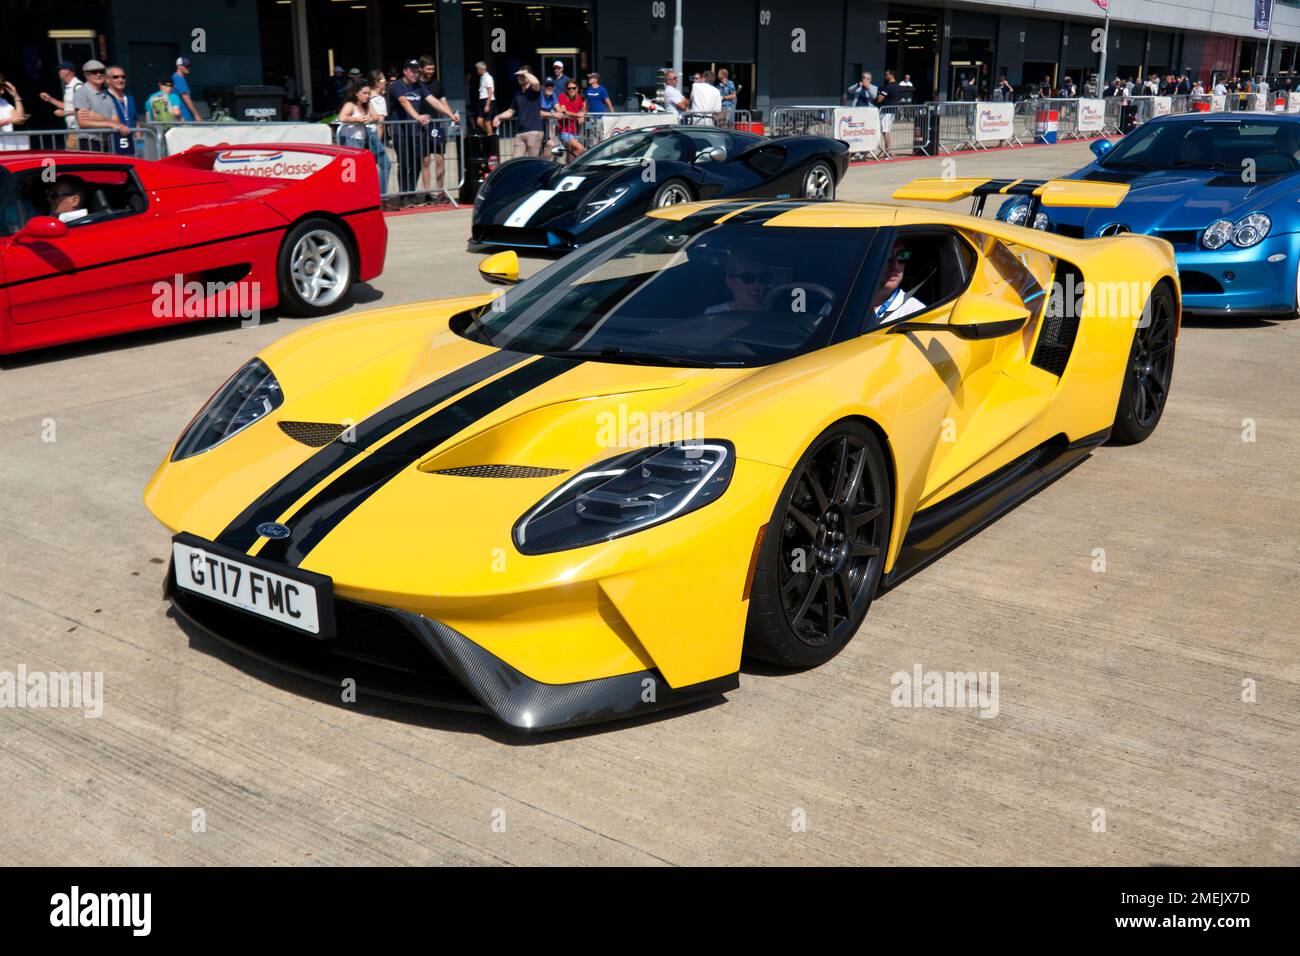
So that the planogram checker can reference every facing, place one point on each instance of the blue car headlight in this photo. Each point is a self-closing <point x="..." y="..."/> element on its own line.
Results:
<point x="1245" y="232"/>
<point x="627" y="493"/>
<point x="250" y="394"/>
<point x="1250" y="230"/>
<point x="594" y="207"/>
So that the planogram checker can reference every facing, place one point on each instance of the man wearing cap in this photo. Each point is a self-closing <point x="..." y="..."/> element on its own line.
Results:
<point x="597" y="96"/>
<point x="181" y="87"/>
<point x="557" y="76"/>
<point x="65" y="108"/>
<point x="411" y="102"/>
<point x="95" y="107"/>
<point x="527" y="107"/>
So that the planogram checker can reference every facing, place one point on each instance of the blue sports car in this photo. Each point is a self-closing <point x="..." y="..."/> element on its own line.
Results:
<point x="1222" y="188"/>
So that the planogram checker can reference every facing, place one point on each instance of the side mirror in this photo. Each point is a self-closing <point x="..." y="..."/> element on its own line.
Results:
<point x="714" y="154"/>
<point x="557" y="150"/>
<point x="986" y="318"/>
<point x="500" y="268"/>
<point x="974" y="317"/>
<point x="43" y="227"/>
<point x="1100" y="147"/>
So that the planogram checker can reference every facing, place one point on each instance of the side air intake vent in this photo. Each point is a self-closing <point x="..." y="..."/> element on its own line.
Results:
<point x="315" y="434"/>
<point x="1060" y="320"/>
<point x="499" y="471"/>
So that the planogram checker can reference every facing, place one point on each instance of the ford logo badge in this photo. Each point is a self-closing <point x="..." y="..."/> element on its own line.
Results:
<point x="270" y="529"/>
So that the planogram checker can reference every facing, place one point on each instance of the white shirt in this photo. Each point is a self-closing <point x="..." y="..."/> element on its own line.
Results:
<point x="10" y="142"/>
<point x="70" y="110"/>
<point x="705" y="98"/>
<point x="485" y="86"/>
<point x="74" y="215"/>
<point x="1220" y="89"/>
<point x="898" y="305"/>
<point x="676" y="102"/>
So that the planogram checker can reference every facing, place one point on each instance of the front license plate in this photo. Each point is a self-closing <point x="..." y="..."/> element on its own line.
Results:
<point x="298" y="599"/>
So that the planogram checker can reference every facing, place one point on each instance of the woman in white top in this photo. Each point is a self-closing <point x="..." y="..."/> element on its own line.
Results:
<point x="11" y="114"/>
<point x="355" y="117"/>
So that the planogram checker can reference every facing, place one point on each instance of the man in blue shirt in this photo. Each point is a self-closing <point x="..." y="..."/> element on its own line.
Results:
<point x="727" y="88"/>
<point x="124" y="106"/>
<point x="597" y="96"/>
<point x="181" y="87"/>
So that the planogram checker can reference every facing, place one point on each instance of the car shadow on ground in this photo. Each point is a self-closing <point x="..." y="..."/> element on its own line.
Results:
<point x="416" y="715"/>
<point x="1232" y="322"/>
<point x="363" y="294"/>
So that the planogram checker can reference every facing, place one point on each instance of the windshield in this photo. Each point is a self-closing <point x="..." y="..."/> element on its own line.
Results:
<point x="1229" y="145"/>
<point x="682" y="293"/>
<point x="631" y="149"/>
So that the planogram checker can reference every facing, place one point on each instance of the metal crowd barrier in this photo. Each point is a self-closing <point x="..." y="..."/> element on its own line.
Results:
<point x="802" y="121"/>
<point x="143" y="142"/>
<point x="905" y="129"/>
<point x="957" y="127"/>
<point x="425" y="159"/>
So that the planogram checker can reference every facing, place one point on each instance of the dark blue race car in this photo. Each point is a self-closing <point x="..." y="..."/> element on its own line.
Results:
<point x="1222" y="188"/>
<point x="536" y="204"/>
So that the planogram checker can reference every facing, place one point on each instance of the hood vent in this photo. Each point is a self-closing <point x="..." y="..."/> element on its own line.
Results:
<point x="315" y="434"/>
<point x="499" y="471"/>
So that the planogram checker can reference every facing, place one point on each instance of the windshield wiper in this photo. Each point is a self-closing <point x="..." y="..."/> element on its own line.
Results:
<point x="610" y="354"/>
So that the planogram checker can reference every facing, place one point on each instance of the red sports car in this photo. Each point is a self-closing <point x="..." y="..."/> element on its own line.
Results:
<point x="94" y="244"/>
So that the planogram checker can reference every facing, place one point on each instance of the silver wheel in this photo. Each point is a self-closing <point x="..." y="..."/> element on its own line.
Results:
<point x="320" y="267"/>
<point x="671" y="195"/>
<point x="818" y="183"/>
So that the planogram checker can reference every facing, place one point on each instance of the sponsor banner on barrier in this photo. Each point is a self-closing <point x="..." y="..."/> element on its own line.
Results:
<point x="1091" y="116"/>
<point x="859" y="126"/>
<point x="270" y="163"/>
<point x="994" y="122"/>
<point x="1218" y="102"/>
<point x="615" y="124"/>
<point x="1293" y="103"/>
<point x="1161" y="105"/>
<point x="183" y="136"/>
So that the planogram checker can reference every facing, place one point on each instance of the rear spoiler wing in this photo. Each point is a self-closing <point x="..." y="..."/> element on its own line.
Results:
<point x="1044" y="192"/>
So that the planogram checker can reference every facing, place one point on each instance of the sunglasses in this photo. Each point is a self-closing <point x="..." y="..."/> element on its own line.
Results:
<point x="117" y="76"/>
<point x="901" y="256"/>
<point x="749" y="278"/>
<point x="63" y="195"/>
<point x="93" y="72"/>
<point x="570" y="87"/>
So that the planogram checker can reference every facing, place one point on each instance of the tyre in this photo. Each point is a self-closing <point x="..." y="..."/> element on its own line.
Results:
<point x="316" y="267"/>
<point x="1148" y="374"/>
<point x="819" y="182"/>
<point x="823" y="552"/>
<point x="671" y="193"/>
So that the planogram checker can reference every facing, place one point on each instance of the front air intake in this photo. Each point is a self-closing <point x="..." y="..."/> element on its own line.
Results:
<point x="499" y="471"/>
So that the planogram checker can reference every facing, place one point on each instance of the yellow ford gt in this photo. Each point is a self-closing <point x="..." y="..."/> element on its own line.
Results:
<point x="719" y="431"/>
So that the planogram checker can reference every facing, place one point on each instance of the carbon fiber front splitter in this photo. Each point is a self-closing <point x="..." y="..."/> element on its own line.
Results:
<point x="422" y="661"/>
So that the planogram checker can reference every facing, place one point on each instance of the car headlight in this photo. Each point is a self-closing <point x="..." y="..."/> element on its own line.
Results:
<point x="250" y="394"/>
<point x="1041" y="221"/>
<point x="596" y="206"/>
<point x="627" y="493"/>
<point x="1018" y="213"/>
<point x="1216" y="234"/>
<point x="1251" y="229"/>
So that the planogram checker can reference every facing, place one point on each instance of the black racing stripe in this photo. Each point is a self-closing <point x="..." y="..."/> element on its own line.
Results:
<point x="761" y="214"/>
<point x="241" y="534"/>
<point x="333" y="503"/>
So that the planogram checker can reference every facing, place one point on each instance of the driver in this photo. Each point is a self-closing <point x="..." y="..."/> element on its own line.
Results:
<point x="67" y="198"/>
<point x="891" y="300"/>
<point x="747" y="280"/>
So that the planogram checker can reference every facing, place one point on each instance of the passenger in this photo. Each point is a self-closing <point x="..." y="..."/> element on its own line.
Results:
<point x="747" y="280"/>
<point x="67" y="198"/>
<point x="891" y="300"/>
